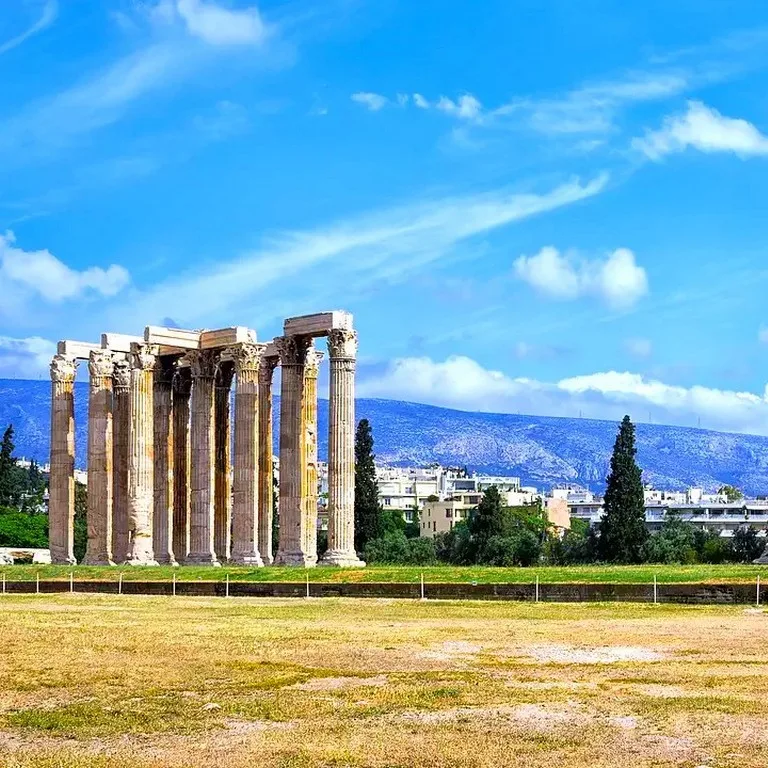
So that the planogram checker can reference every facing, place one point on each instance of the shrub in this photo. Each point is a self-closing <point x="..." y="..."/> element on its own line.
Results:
<point x="18" y="529"/>
<point x="746" y="545"/>
<point x="397" y="549"/>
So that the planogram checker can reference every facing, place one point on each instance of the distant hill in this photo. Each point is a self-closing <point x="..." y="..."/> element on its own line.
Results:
<point x="541" y="450"/>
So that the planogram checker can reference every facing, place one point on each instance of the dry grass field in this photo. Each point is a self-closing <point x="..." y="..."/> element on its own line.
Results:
<point x="142" y="681"/>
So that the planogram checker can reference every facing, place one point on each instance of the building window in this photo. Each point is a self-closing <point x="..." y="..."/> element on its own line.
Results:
<point x="434" y="525"/>
<point x="387" y="501"/>
<point x="448" y="513"/>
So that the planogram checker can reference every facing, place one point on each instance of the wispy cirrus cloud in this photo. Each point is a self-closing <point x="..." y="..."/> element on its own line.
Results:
<point x="49" y="10"/>
<point x="704" y="129"/>
<point x="381" y="247"/>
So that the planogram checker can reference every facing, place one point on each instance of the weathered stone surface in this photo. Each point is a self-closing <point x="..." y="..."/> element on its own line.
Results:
<point x="266" y="475"/>
<point x="342" y="349"/>
<point x="317" y="325"/>
<point x="99" y="547"/>
<point x="182" y="386"/>
<point x="162" y="516"/>
<point x="292" y="351"/>
<point x="119" y="342"/>
<point x="245" y="511"/>
<point x="222" y="515"/>
<point x="141" y="457"/>
<point x="309" y="492"/>
<point x="202" y="454"/>
<point x="61" y="486"/>
<point x="121" y="437"/>
<point x="76" y="350"/>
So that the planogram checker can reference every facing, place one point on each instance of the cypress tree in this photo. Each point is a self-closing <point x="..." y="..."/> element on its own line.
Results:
<point x="7" y="468"/>
<point x="622" y="528"/>
<point x="487" y="519"/>
<point x="368" y="512"/>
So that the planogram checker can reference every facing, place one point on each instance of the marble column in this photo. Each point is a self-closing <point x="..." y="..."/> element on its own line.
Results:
<point x="245" y="508"/>
<point x="342" y="348"/>
<point x="99" y="548"/>
<point x="182" y="386"/>
<point x="141" y="456"/>
<point x="121" y="438"/>
<point x="162" y="512"/>
<point x="222" y="505"/>
<point x="292" y="351"/>
<point x="266" y="491"/>
<point x="61" y="483"/>
<point x="202" y="458"/>
<point x="309" y="494"/>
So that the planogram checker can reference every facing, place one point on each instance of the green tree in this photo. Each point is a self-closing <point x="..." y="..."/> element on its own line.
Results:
<point x="368" y="512"/>
<point x="622" y="529"/>
<point x="487" y="520"/>
<point x="731" y="492"/>
<point x="746" y="545"/>
<point x="674" y="543"/>
<point x="8" y="474"/>
<point x="81" y="521"/>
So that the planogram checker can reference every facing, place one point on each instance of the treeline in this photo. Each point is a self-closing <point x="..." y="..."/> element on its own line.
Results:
<point x="498" y="535"/>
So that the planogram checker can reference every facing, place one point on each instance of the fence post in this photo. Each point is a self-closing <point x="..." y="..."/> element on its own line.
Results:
<point x="423" y="596"/>
<point x="758" y="590"/>
<point x="3" y="582"/>
<point x="307" y="593"/>
<point x="655" y="591"/>
<point x="537" y="587"/>
<point x="226" y="584"/>
<point x="71" y="582"/>
<point x="174" y="583"/>
<point x="37" y="583"/>
<point x="120" y="584"/>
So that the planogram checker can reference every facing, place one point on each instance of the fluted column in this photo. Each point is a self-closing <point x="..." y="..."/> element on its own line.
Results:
<point x="202" y="454"/>
<point x="309" y="494"/>
<point x="222" y="514"/>
<point x="245" y="508"/>
<point x="141" y="468"/>
<point x="121" y="438"/>
<point x="182" y="385"/>
<point x="342" y="349"/>
<point x="99" y="549"/>
<point x="266" y="474"/>
<point x="292" y="351"/>
<point x="162" y="517"/>
<point x="61" y="483"/>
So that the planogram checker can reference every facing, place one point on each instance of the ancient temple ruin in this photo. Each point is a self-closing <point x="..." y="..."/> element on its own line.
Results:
<point x="165" y="486"/>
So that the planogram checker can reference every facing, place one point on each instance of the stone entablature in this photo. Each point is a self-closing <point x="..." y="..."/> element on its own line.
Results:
<point x="165" y="485"/>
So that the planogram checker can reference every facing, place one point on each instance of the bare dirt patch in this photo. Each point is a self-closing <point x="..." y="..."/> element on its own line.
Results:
<point x="340" y="683"/>
<point x="608" y="654"/>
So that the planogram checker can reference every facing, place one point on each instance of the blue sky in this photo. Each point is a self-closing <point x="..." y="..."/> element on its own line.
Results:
<point x="537" y="207"/>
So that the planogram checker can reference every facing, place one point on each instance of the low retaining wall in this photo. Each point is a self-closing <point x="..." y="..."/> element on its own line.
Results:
<point x="556" y="593"/>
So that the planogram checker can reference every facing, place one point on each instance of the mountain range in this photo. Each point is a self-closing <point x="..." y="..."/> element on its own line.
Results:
<point x="542" y="451"/>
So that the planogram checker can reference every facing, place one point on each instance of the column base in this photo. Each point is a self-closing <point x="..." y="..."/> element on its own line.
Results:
<point x="247" y="558"/>
<point x="342" y="560"/>
<point x="166" y="560"/>
<point x="202" y="559"/>
<point x="300" y="559"/>
<point x="141" y="562"/>
<point x="268" y="559"/>
<point x="63" y="561"/>
<point x="97" y="560"/>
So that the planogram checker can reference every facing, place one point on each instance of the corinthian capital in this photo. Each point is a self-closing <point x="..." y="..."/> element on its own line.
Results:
<point x="202" y="363"/>
<point x="142" y="356"/>
<point x="292" y="349"/>
<point x="342" y="344"/>
<point x="100" y="365"/>
<point x="313" y="358"/>
<point x="63" y="368"/>
<point x="121" y="374"/>
<point x="247" y="357"/>
<point x="267" y="367"/>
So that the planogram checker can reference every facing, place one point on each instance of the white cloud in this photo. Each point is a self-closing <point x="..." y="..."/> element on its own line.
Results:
<point x="48" y="14"/>
<point x="617" y="279"/>
<point x="220" y="26"/>
<point x="639" y="347"/>
<point x="42" y="273"/>
<point x="381" y="247"/>
<point x="466" y="108"/>
<point x="373" y="101"/>
<point x="460" y="382"/>
<point x="762" y="335"/>
<point x="420" y="101"/>
<point x="24" y="358"/>
<point x="705" y="129"/>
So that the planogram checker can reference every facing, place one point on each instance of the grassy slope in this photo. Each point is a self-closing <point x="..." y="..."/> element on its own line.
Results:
<point x="640" y="574"/>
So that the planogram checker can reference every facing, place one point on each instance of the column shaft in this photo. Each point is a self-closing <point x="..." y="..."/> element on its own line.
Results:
<point x="222" y="516"/>
<point x="245" y="511"/>
<point x="61" y="483"/>
<point x="292" y="507"/>
<point x="182" y="385"/>
<point x="99" y="549"/>
<point x="162" y="514"/>
<point x="141" y="457"/>
<point x="202" y="459"/>
<point x="121" y="436"/>
<point x="266" y="474"/>
<point x="311" y="371"/>
<point x="342" y="347"/>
